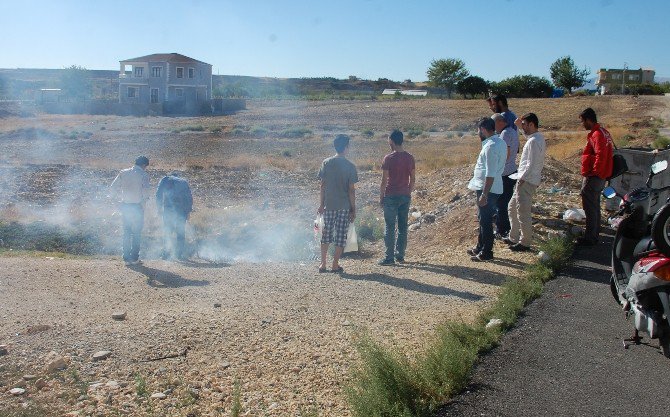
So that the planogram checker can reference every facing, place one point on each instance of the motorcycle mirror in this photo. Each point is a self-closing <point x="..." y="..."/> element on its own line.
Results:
<point x="659" y="166"/>
<point x="609" y="192"/>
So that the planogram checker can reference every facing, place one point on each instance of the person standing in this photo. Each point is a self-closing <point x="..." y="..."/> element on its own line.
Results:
<point x="337" y="202"/>
<point x="131" y="187"/>
<point x="499" y="102"/>
<point x="511" y="139"/>
<point x="398" y="176"/>
<point x="597" y="165"/>
<point x="529" y="177"/>
<point x="174" y="203"/>
<point x="487" y="183"/>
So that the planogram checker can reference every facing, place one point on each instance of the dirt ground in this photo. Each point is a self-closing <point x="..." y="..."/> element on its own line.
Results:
<point x="259" y="313"/>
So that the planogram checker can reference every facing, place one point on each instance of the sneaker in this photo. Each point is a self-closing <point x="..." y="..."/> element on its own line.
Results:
<point x="509" y="241"/>
<point x="386" y="262"/>
<point x="481" y="257"/>
<point x="137" y="262"/>
<point x="500" y="236"/>
<point x="473" y="251"/>
<point x="519" y="248"/>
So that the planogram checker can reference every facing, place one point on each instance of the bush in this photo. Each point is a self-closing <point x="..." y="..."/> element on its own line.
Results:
<point x="259" y="131"/>
<point x="524" y="86"/>
<point x="413" y="132"/>
<point x="295" y="132"/>
<point x="368" y="225"/>
<point x="368" y="133"/>
<point x="661" y="142"/>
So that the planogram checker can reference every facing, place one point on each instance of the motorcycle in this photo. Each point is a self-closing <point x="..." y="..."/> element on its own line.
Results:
<point x="640" y="280"/>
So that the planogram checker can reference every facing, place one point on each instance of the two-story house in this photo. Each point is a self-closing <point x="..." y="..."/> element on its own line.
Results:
<point x="615" y="80"/>
<point x="170" y="83"/>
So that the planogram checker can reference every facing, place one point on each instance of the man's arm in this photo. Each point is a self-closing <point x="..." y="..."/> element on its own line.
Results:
<point x="483" y="199"/>
<point x="322" y="198"/>
<point x="352" y="201"/>
<point x="412" y="180"/>
<point x="382" y="187"/>
<point x="600" y="151"/>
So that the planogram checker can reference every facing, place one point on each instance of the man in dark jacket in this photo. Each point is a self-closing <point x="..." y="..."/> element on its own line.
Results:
<point x="174" y="202"/>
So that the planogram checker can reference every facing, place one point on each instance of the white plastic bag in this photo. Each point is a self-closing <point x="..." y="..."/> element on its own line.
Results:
<point x="318" y="227"/>
<point x="574" y="214"/>
<point x="352" y="239"/>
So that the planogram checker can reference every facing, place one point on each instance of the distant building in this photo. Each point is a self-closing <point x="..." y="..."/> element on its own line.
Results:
<point x="613" y="80"/>
<point x="170" y="83"/>
<point x="392" y="91"/>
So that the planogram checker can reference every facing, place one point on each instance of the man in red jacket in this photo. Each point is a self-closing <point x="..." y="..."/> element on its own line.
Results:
<point x="596" y="168"/>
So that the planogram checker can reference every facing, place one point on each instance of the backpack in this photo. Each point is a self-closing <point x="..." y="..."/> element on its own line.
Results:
<point x="619" y="165"/>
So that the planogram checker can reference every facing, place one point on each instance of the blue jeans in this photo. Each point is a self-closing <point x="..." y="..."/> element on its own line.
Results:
<point x="502" y="218"/>
<point x="485" y="216"/>
<point x="173" y="234"/>
<point x="133" y="222"/>
<point x="396" y="209"/>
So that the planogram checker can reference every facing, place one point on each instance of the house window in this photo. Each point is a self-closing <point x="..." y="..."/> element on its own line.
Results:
<point x="616" y="76"/>
<point x="139" y="71"/>
<point x="179" y="92"/>
<point x="191" y="72"/>
<point x="156" y="71"/>
<point x="180" y="72"/>
<point x="132" y="92"/>
<point x="154" y="95"/>
<point x="633" y="77"/>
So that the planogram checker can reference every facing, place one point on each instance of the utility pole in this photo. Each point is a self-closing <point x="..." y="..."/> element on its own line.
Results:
<point x="623" y="78"/>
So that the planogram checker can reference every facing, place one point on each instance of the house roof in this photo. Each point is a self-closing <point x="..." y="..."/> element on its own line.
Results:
<point x="173" y="57"/>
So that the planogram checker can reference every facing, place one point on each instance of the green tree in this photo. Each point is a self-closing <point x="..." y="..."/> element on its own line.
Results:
<point x="524" y="86"/>
<point x="566" y="75"/>
<point x="446" y="73"/>
<point x="472" y="85"/>
<point x="75" y="82"/>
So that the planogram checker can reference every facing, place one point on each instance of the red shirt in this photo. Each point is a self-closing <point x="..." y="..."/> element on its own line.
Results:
<point x="598" y="153"/>
<point x="399" y="165"/>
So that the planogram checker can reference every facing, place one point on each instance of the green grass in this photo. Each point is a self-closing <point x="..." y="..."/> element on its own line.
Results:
<point x="370" y="224"/>
<point x="661" y="142"/>
<point x="193" y="128"/>
<point x="386" y="383"/>
<point x="141" y="386"/>
<point x="368" y="133"/>
<point x="295" y="132"/>
<point x="236" y="408"/>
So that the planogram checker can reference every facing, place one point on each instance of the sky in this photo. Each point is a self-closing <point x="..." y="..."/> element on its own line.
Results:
<point x="369" y="39"/>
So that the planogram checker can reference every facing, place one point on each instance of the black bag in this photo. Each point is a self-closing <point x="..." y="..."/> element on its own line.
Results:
<point x="619" y="166"/>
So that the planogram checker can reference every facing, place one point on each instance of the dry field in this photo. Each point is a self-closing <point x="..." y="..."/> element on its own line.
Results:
<point x="250" y="307"/>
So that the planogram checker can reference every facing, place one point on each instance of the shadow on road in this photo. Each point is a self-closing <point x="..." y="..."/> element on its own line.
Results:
<point x="164" y="279"/>
<point x="412" y="285"/>
<point x="203" y="264"/>
<point x="461" y="272"/>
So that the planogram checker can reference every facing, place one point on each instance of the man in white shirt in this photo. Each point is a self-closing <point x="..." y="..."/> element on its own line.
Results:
<point x="131" y="188"/>
<point x="529" y="177"/>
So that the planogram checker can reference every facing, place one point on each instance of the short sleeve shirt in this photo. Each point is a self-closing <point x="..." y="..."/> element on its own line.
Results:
<point x="337" y="174"/>
<point x="399" y="166"/>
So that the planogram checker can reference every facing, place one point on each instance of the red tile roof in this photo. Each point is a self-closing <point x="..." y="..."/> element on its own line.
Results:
<point x="173" y="57"/>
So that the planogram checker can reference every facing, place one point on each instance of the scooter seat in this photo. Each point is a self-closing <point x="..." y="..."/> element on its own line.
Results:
<point x="646" y="244"/>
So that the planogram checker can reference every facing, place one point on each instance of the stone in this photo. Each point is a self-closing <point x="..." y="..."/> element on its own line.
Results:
<point x="3" y="350"/>
<point x="543" y="257"/>
<point x="414" y="226"/>
<point x="113" y="385"/>
<point x="40" y="383"/>
<point x="576" y="230"/>
<point x="428" y="218"/>
<point x="494" y="323"/>
<point x="56" y="363"/>
<point x="217" y="305"/>
<point x="29" y="377"/>
<point x="101" y="355"/>
<point x="119" y="315"/>
<point x="158" y="396"/>
<point x="17" y="391"/>
<point x="224" y="365"/>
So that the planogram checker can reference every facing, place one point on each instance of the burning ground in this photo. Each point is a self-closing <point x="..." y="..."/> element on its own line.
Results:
<point x="250" y="307"/>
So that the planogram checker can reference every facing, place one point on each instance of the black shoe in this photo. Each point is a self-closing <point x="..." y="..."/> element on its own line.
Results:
<point x="385" y="262"/>
<point x="501" y="236"/>
<point x="519" y="248"/>
<point x="509" y="241"/>
<point x="400" y="260"/>
<point x="473" y="251"/>
<point x="481" y="257"/>
<point x="582" y="241"/>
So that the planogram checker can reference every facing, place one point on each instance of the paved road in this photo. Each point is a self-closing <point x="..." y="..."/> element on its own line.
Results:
<point x="566" y="358"/>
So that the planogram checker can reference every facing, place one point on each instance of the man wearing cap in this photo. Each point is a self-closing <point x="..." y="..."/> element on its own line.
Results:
<point x="487" y="183"/>
<point x="131" y="188"/>
<point x="499" y="103"/>
<point x="174" y="202"/>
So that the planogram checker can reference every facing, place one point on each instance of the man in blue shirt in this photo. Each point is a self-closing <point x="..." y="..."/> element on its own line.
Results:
<point x="487" y="183"/>
<point x="175" y="203"/>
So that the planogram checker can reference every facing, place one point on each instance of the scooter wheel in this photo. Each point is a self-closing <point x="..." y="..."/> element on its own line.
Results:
<point x="660" y="230"/>
<point x="664" y="341"/>
<point x="615" y="292"/>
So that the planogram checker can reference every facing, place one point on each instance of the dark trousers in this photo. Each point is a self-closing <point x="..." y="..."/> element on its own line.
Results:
<point x="133" y="222"/>
<point x="590" y="192"/>
<point x="485" y="216"/>
<point x="502" y="218"/>
<point x="396" y="209"/>
<point x="174" y="224"/>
